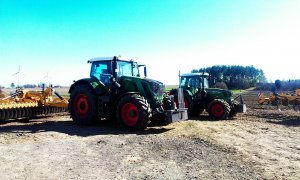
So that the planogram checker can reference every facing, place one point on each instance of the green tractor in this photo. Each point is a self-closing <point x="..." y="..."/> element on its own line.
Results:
<point x="115" y="91"/>
<point x="198" y="97"/>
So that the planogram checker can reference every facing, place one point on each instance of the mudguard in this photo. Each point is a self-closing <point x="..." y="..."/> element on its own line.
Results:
<point x="97" y="85"/>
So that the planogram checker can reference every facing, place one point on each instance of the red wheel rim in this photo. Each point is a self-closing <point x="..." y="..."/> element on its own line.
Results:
<point x="81" y="105"/>
<point x="130" y="114"/>
<point x="217" y="110"/>
<point x="186" y="102"/>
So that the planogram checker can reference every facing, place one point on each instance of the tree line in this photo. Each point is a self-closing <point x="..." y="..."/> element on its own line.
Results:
<point x="234" y="77"/>
<point x="287" y="85"/>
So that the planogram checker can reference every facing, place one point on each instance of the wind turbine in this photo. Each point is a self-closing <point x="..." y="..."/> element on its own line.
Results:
<point x="18" y="73"/>
<point x="47" y="76"/>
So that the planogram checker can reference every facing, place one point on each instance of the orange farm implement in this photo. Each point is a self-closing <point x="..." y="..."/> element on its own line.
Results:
<point x="29" y="103"/>
<point x="285" y="99"/>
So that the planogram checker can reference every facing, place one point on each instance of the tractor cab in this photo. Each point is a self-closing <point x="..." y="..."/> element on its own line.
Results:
<point x="194" y="82"/>
<point x="105" y="68"/>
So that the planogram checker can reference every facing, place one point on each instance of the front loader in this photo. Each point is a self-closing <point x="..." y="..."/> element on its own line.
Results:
<point x="116" y="91"/>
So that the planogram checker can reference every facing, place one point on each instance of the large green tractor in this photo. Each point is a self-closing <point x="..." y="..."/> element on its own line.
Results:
<point x="198" y="97"/>
<point x="115" y="91"/>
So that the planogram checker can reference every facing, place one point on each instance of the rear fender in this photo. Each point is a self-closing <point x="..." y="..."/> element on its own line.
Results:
<point x="95" y="84"/>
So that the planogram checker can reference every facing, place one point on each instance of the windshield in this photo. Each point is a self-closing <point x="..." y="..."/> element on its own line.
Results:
<point x="125" y="68"/>
<point x="193" y="82"/>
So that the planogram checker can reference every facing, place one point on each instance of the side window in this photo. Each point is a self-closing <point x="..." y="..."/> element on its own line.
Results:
<point x="206" y="83"/>
<point x="100" y="71"/>
<point x="124" y="68"/>
<point x="192" y="82"/>
<point x="183" y="82"/>
<point x="198" y="82"/>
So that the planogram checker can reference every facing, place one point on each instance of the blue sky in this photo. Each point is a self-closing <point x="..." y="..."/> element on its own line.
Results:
<point x="58" y="37"/>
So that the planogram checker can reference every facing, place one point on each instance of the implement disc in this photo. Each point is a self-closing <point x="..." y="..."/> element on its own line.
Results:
<point x="2" y="114"/>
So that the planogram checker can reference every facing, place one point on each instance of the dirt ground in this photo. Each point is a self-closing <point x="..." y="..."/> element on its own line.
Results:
<point x="260" y="144"/>
<point x="266" y="140"/>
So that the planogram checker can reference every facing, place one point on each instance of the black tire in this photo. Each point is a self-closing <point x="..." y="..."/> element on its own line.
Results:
<point x="198" y="111"/>
<point x="218" y="109"/>
<point x="188" y="103"/>
<point x="133" y="112"/>
<point x="83" y="105"/>
<point x="233" y="109"/>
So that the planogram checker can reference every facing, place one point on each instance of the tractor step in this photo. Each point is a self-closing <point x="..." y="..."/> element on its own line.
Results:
<point x="177" y="115"/>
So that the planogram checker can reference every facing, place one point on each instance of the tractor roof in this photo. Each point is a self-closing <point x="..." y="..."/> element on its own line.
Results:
<point x="108" y="59"/>
<point x="194" y="74"/>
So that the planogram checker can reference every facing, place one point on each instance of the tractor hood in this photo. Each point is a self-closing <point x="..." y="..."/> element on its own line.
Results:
<point x="147" y="87"/>
<point x="214" y="92"/>
<point x="157" y="87"/>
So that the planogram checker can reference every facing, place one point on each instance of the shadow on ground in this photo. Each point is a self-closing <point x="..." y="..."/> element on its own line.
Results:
<point x="281" y="118"/>
<point x="205" y="117"/>
<point x="41" y="124"/>
<point x="288" y="122"/>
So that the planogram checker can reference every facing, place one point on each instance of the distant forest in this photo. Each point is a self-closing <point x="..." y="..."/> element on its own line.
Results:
<point x="234" y="77"/>
<point x="289" y="85"/>
<point x="240" y="77"/>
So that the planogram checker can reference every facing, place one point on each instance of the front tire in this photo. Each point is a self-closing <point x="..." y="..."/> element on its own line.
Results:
<point x="83" y="105"/>
<point x="218" y="109"/>
<point x="133" y="112"/>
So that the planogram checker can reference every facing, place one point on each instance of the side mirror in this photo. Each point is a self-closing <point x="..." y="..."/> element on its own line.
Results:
<point x="145" y="71"/>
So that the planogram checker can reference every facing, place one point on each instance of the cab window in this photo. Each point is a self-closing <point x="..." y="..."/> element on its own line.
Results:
<point x="100" y="71"/>
<point x="183" y="82"/>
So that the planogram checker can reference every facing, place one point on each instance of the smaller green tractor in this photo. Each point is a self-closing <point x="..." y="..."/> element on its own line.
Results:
<point x="198" y="96"/>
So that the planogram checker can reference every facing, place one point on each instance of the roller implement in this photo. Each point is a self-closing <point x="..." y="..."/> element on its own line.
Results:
<point x="285" y="99"/>
<point x="116" y="91"/>
<point x="26" y="104"/>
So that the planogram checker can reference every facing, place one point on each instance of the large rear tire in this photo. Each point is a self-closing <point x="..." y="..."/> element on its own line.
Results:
<point x="133" y="112"/>
<point x="218" y="109"/>
<point x="83" y="105"/>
